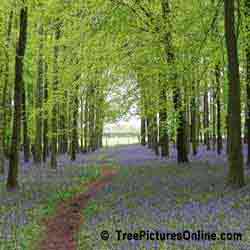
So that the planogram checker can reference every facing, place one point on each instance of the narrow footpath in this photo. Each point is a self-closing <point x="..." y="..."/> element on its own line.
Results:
<point x="64" y="225"/>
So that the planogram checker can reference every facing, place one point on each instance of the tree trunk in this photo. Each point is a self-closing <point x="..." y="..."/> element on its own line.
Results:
<point x="6" y="94"/>
<point x="206" y="120"/>
<point x="26" y="140"/>
<point x="45" y="120"/>
<point x="245" y="120"/>
<point x="99" y="117"/>
<point x="247" y="25"/>
<point x="187" y="119"/>
<point x="2" y="159"/>
<point x="227" y="131"/>
<point x="74" y="138"/>
<point x="143" y="115"/>
<point x="181" y="145"/>
<point x="248" y="109"/>
<point x="194" y="122"/>
<point x="12" y="182"/>
<point x="81" y="123"/>
<point x="86" y="122"/>
<point x="38" y="101"/>
<point x="236" y="173"/>
<point x="219" y="137"/>
<point x="180" y="139"/>
<point x="150" y="131"/>
<point x="62" y="123"/>
<point x="214" y="118"/>
<point x="163" y="141"/>
<point x="3" y="94"/>
<point x="54" y="125"/>
<point x="155" y="135"/>
<point x="101" y="133"/>
<point x="91" y="117"/>
<point x="143" y="131"/>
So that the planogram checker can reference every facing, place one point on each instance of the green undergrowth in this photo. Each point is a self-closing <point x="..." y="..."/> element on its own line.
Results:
<point x="27" y="236"/>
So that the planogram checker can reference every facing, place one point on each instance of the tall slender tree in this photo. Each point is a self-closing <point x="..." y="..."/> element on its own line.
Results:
<point x="235" y="159"/>
<point x="193" y="107"/>
<point x="247" y="51"/>
<point x="74" y="136"/>
<point x="54" y="120"/>
<point x="12" y="182"/>
<point x="26" y="140"/>
<point x="206" y="118"/>
<point x="45" y="114"/>
<point x="81" y="122"/>
<point x="218" y="101"/>
<point x="177" y="97"/>
<point x="163" y="132"/>
<point x="39" y="99"/>
<point x="143" y="131"/>
<point x="214" y="117"/>
<point x="6" y="93"/>
<point x="86" y="121"/>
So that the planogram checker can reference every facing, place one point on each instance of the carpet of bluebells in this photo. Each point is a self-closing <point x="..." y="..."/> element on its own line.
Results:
<point x="154" y="194"/>
<point x="149" y="193"/>
<point x="40" y="189"/>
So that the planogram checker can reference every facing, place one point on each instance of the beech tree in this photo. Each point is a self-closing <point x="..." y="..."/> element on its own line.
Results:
<point x="97" y="61"/>
<point x="247" y="52"/>
<point x="236" y="174"/>
<point x="12" y="182"/>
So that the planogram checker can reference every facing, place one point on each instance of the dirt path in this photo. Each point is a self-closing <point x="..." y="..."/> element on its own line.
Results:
<point x="62" y="227"/>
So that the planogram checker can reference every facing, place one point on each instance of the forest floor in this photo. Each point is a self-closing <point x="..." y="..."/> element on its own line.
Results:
<point x="147" y="193"/>
<point x="64" y="224"/>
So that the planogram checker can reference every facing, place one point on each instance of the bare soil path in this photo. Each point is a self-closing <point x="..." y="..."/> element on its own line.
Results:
<point x="62" y="227"/>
